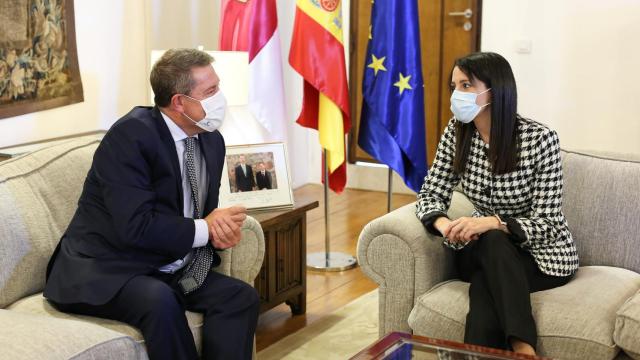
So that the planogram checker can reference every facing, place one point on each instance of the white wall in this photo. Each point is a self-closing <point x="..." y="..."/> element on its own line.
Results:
<point x="582" y="73"/>
<point x="579" y="77"/>
<point x="111" y="41"/>
<point x="114" y="40"/>
<point x="303" y="146"/>
<point x="194" y="28"/>
<point x="183" y="24"/>
<point x="304" y="150"/>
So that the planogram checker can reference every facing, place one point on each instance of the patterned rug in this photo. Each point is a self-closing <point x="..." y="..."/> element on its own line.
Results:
<point x="339" y="335"/>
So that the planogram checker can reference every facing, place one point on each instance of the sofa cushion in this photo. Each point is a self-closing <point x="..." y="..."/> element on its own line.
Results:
<point x="627" y="333"/>
<point x="38" y="305"/>
<point x="29" y="336"/>
<point x="601" y="201"/>
<point x="38" y="196"/>
<point x="575" y="321"/>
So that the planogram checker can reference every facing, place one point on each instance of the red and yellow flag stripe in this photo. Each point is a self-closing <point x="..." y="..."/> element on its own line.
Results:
<point x="317" y="53"/>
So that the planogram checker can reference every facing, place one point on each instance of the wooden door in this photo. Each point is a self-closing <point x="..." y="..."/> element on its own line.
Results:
<point x="448" y="29"/>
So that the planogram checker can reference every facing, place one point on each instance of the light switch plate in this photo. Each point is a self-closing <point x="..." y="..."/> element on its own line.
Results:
<point x="523" y="46"/>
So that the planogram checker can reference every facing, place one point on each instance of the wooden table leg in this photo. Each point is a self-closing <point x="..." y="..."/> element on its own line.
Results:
<point x="298" y="304"/>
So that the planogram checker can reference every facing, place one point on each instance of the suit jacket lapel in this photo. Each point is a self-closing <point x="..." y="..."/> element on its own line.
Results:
<point x="167" y="141"/>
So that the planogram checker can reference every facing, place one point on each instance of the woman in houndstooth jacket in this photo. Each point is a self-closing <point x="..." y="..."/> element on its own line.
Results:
<point x="517" y="240"/>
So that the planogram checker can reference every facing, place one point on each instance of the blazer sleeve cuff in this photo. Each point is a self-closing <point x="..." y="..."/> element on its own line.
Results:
<point x="518" y="235"/>
<point x="429" y="219"/>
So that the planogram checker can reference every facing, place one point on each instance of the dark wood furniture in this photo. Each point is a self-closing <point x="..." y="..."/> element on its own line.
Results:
<point x="398" y="345"/>
<point x="283" y="276"/>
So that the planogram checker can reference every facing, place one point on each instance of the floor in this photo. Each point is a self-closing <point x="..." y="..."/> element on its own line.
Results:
<point x="326" y="292"/>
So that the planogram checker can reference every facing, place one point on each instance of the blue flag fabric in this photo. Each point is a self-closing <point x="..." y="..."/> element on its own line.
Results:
<point x="392" y="121"/>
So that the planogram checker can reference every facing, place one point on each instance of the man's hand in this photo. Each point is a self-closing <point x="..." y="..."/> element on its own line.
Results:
<point x="224" y="226"/>
<point x="466" y="229"/>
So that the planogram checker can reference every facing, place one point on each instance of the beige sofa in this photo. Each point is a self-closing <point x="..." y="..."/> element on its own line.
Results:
<point x="38" y="196"/>
<point x="593" y="317"/>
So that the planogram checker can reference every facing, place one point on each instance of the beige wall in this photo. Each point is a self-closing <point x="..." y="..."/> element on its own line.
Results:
<point x="110" y="36"/>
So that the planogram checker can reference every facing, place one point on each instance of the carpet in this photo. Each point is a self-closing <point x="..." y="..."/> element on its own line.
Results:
<point x="339" y="335"/>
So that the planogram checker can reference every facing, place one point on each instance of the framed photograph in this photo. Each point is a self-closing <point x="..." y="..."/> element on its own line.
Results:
<point x="257" y="177"/>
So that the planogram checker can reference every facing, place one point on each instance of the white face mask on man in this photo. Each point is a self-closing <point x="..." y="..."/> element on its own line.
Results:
<point x="214" y="110"/>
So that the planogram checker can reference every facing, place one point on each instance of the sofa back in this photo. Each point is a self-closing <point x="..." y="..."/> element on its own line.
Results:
<point x="38" y="196"/>
<point x="602" y="206"/>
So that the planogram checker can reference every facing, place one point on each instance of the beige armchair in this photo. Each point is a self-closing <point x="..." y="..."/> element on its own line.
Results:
<point x="593" y="317"/>
<point x="38" y="196"/>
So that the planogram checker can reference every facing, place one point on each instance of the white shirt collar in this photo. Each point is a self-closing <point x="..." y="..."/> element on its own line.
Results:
<point x="176" y="132"/>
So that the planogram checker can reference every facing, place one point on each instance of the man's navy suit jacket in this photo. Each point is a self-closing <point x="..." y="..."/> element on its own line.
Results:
<point x="129" y="219"/>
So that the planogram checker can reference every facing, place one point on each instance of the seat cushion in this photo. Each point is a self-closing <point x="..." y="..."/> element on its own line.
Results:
<point x="38" y="305"/>
<point x="30" y="336"/>
<point x="575" y="321"/>
<point x="627" y="333"/>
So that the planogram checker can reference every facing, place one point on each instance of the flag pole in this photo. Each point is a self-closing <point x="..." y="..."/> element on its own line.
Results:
<point x="329" y="261"/>
<point x="389" y="190"/>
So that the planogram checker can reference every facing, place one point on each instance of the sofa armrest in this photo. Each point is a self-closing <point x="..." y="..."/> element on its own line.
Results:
<point x="245" y="259"/>
<point x="396" y="252"/>
<point x="405" y="260"/>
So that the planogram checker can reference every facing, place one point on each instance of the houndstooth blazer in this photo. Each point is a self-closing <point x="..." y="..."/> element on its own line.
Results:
<point x="529" y="199"/>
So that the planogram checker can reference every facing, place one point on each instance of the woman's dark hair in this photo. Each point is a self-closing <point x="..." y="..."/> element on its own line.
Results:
<point x="493" y="70"/>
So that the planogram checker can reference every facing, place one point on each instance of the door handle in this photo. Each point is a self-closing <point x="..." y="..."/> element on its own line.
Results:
<point x="468" y="13"/>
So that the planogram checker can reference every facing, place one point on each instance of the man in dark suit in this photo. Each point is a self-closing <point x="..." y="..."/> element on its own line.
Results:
<point x="147" y="229"/>
<point x="244" y="176"/>
<point x="263" y="177"/>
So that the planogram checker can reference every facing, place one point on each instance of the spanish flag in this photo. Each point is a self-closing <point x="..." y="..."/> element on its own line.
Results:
<point x="317" y="53"/>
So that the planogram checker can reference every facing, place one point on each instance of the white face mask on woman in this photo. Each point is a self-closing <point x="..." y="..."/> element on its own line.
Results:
<point x="214" y="111"/>
<point x="464" y="107"/>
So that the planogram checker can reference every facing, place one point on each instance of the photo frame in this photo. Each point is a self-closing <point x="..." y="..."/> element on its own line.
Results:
<point x="257" y="177"/>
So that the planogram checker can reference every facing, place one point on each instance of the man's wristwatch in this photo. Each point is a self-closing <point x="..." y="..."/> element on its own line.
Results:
<point x="503" y="223"/>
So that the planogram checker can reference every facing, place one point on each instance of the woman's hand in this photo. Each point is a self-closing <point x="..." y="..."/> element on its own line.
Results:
<point x="466" y="229"/>
<point x="442" y="225"/>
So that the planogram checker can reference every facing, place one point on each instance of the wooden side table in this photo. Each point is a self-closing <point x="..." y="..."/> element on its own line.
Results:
<point x="283" y="276"/>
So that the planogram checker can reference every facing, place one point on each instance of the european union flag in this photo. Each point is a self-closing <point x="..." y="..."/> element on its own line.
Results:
<point x="392" y="121"/>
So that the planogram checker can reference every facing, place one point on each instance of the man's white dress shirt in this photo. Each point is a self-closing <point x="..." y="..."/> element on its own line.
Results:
<point x="201" y="237"/>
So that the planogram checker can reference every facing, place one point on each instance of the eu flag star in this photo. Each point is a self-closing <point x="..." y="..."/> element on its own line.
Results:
<point x="403" y="84"/>
<point x="377" y="64"/>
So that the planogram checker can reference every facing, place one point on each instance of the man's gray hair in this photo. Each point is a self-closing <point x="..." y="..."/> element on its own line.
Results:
<point x="172" y="73"/>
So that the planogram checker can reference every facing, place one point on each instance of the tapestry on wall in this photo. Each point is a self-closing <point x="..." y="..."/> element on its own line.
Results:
<point x="38" y="57"/>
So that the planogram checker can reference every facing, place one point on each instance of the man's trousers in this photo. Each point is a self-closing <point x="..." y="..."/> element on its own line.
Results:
<point x="155" y="305"/>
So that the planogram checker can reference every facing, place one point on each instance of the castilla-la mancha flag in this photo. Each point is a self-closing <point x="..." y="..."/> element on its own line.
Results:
<point x="317" y="53"/>
<point x="252" y="26"/>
